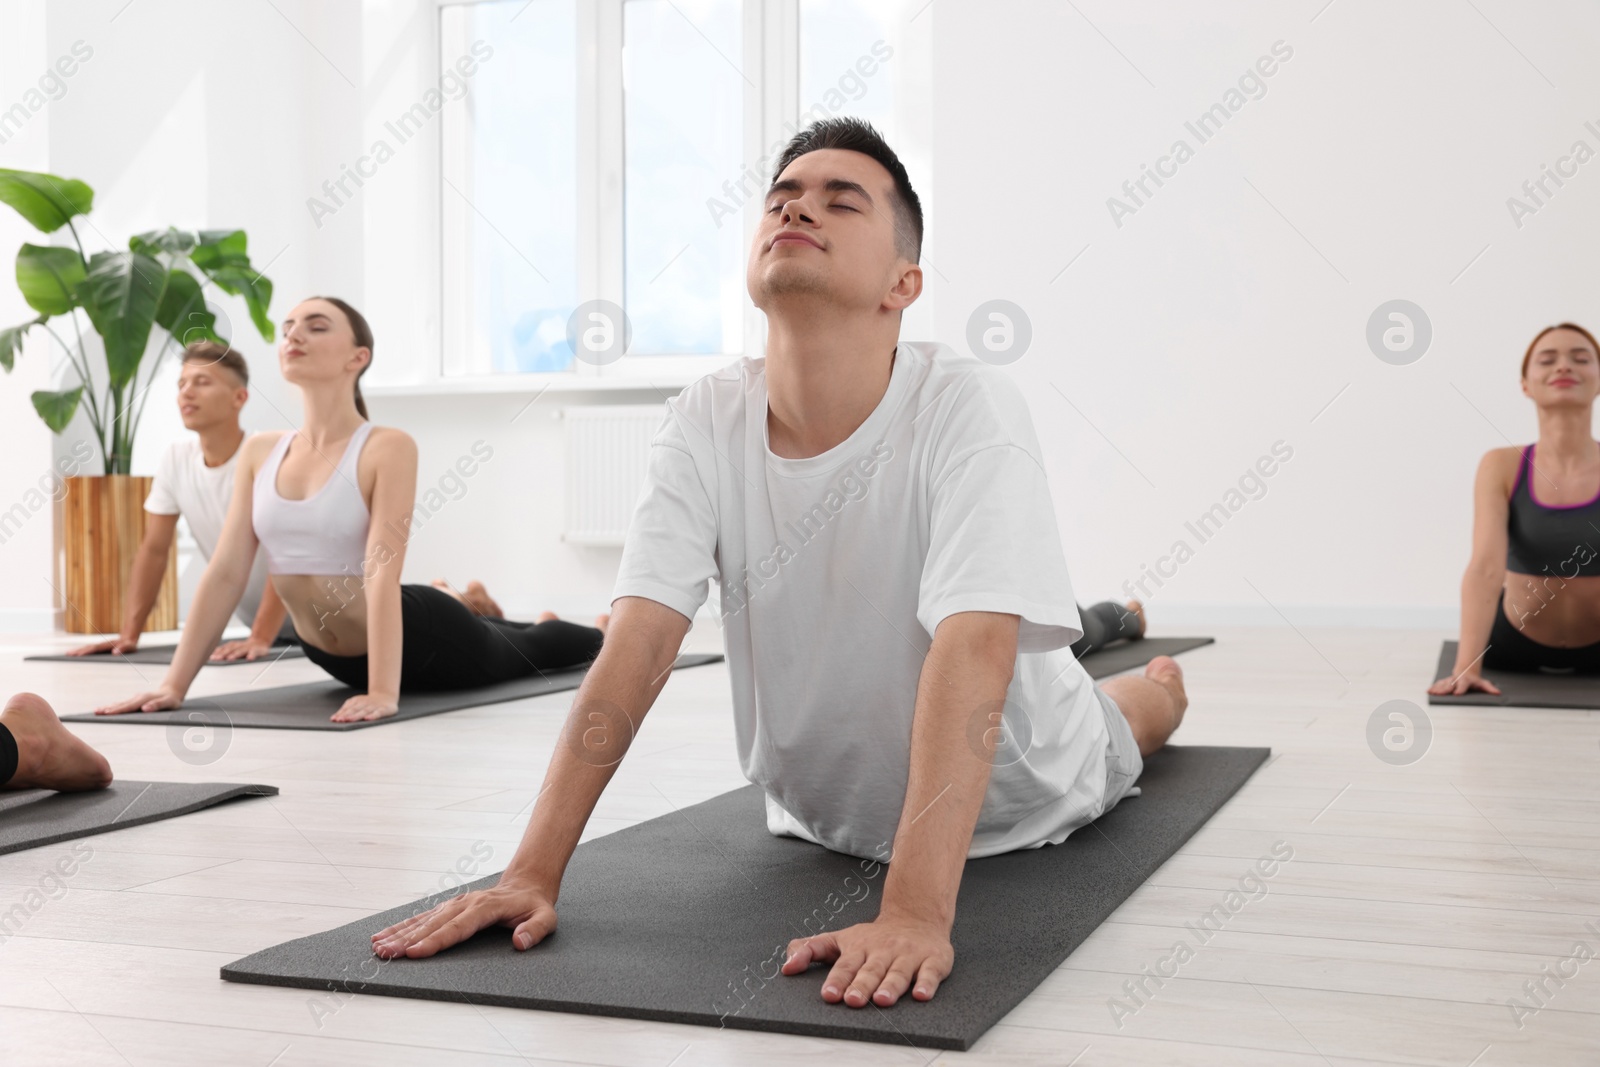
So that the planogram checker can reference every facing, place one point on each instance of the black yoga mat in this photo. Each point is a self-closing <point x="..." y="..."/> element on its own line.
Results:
<point x="308" y="706"/>
<point x="1519" y="689"/>
<point x="33" y="817"/>
<point x="161" y="656"/>
<point x="686" y="918"/>
<point x="1125" y="655"/>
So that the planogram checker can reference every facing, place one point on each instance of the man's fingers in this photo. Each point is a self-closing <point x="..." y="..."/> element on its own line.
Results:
<point x="856" y="977"/>
<point x="804" y="951"/>
<point x="895" y="982"/>
<point x="928" y="979"/>
<point x="534" y="929"/>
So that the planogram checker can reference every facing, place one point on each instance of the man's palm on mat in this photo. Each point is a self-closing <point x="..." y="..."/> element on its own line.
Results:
<point x="876" y="961"/>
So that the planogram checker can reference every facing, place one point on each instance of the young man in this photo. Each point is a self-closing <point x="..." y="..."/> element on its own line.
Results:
<point x="895" y="602"/>
<point x="195" y="479"/>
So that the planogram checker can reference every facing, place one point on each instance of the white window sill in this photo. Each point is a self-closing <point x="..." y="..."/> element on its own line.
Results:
<point x="529" y="384"/>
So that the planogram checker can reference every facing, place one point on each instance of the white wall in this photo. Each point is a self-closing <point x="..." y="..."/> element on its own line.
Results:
<point x="1206" y="327"/>
<point x="1222" y="316"/>
<point x="26" y="569"/>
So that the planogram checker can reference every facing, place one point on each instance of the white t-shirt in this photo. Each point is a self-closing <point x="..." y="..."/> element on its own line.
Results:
<point x="185" y="486"/>
<point x="834" y="573"/>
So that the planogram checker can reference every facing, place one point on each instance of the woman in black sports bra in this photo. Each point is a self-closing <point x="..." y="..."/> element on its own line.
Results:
<point x="1530" y="598"/>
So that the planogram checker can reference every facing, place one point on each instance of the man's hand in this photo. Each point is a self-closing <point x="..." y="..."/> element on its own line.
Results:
<point x="117" y="646"/>
<point x="366" y="706"/>
<point x="157" y="700"/>
<point x="250" y="648"/>
<point x="529" y="909"/>
<point x="878" y="959"/>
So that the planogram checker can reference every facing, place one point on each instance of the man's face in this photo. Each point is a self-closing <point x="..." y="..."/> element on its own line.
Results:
<point x="208" y="393"/>
<point x="827" y="229"/>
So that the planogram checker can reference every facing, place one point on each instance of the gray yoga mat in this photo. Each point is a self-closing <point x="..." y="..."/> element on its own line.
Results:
<point x="161" y="656"/>
<point x="687" y="917"/>
<point x="1126" y="655"/>
<point x="308" y="706"/>
<point x="33" y="817"/>
<point x="1520" y="689"/>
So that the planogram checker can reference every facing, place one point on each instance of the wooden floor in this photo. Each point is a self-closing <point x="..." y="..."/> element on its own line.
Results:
<point x="1419" y="901"/>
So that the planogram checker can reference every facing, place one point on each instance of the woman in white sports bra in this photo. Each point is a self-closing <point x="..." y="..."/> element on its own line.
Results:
<point x="328" y="503"/>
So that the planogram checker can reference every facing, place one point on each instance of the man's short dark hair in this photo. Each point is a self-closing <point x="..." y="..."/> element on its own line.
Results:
<point x="857" y="135"/>
<point x="209" y="353"/>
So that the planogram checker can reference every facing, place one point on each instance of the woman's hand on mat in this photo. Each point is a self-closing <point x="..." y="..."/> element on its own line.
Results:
<point x="1465" y="682"/>
<point x="877" y="961"/>
<point x="528" y="909"/>
<point x="116" y="645"/>
<point x="366" y="706"/>
<point x="249" y="648"/>
<point x="156" y="700"/>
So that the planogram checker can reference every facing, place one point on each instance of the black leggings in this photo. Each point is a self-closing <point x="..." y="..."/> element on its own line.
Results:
<point x="446" y="645"/>
<point x="1512" y="650"/>
<point x="1104" y="623"/>
<point x="8" y="754"/>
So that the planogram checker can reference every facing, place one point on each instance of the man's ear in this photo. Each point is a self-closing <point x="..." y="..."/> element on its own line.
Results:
<point x="906" y="288"/>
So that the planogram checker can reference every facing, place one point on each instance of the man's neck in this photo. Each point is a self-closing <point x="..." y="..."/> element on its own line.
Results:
<point x="219" y="443"/>
<point x="824" y="380"/>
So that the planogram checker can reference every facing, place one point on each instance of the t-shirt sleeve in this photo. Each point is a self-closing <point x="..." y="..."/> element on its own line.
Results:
<point x="669" y="552"/>
<point x="160" y="500"/>
<point x="994" y="546"/>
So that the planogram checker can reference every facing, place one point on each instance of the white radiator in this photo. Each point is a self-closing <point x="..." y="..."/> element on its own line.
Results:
<point x="608" y="453"/>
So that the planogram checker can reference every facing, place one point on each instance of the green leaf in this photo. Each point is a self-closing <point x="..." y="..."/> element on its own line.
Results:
<point x="11" y="340"/>
<point x="168" y="240"/>
<point x="46" y="201"/>
<point x="183" y="311"/>
<point x="57" y="409"/>
<point x="121" y="294"/>
<point x="257" y="292"/>
<point x="49" y="277"/>
<point x="220" y="248"/>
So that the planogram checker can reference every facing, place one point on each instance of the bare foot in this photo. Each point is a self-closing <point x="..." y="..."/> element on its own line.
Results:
<point x="476" y="597"/>
<point x="601" y="622"/>
<point x="1165" y="672"/>
<point x="49" y="756"/>
<point x="479" y="600"/>
<point x="1137" y="609"/>
<point x="547" y="616"/>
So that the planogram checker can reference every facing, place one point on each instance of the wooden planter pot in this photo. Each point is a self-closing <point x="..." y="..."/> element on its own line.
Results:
<point x="102" y="525"/>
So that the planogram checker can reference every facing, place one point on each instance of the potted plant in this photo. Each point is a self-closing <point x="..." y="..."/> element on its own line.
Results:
<point x="159" y="281"/>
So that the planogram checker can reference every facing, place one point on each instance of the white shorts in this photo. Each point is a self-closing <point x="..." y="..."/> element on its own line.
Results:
<point x="1123" y="762"/>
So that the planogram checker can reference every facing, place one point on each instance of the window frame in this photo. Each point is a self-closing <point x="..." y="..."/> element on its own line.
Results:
<point x="770" y="62"/>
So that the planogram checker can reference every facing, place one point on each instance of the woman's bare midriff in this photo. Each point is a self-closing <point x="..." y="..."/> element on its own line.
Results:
<point x="1552" y="610"/>
<point x="329" y="611"/>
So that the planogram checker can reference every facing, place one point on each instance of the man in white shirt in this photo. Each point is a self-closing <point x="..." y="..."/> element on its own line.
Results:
<point x="195" y="479"/>
<point x="896" y="609"/>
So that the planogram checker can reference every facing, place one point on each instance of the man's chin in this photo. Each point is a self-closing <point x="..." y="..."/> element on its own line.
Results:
<point x="782" y="280"/>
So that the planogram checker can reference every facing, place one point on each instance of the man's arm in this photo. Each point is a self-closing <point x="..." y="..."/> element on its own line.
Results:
<point x="144" y="584"/>
<point x="955" y="730"/>
<point x="264" y="629"/>
<point x="959" y="698"/>
<point x="635" y="661"/>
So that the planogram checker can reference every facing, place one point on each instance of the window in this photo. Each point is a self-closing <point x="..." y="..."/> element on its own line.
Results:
<point x="509" y="175"/>
<point x="683" y="95"/>
<point x="616" y="150"/>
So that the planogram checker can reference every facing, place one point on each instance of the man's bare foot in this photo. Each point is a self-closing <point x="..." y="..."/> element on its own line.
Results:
<point x="1137" y="610"/>
<point x="547" y="616"/>
<point x="1165" y="672"/>
<point x="601" y="622"/>
<point x="49" y="756"/>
